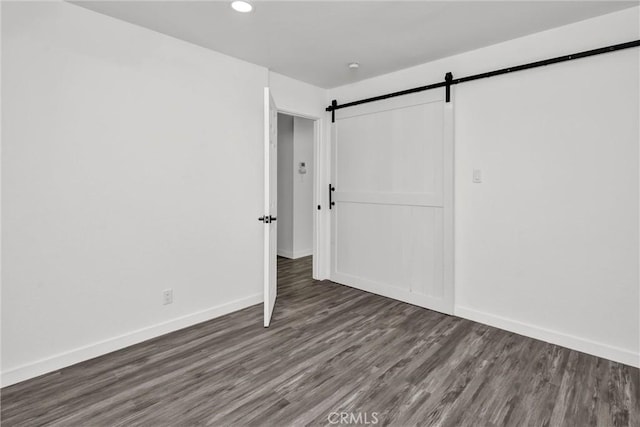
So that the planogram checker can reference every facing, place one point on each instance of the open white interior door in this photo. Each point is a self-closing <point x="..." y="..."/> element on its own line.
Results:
<point x="270" y="205"/>
<point x="392" y="222"/>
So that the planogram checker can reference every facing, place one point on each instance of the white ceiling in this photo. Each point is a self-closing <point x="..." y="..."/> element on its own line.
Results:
<point x="313" y="41"/>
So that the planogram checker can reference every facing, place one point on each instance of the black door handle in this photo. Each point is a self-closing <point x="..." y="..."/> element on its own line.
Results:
<point x="331" y="190"/>
<point x="267" y="219"/>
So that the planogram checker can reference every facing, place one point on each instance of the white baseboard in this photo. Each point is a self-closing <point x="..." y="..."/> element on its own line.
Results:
<point x="100" y="348"/>
<point x="605" y="351"/>
<point x="295" y="254"/>
<point x="302" y="253"/>
<point x="285" y="254"/>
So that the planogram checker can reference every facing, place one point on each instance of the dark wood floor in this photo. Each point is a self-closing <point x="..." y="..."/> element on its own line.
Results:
<point x="332" y="349"/>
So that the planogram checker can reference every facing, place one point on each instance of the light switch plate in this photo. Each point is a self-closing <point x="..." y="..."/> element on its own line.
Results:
<point x="477" y="176"/>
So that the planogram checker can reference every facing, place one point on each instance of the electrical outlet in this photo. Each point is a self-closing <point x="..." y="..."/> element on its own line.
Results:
<point x="167" y="296"/>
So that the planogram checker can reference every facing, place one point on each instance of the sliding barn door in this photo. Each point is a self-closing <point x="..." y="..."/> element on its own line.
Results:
<point x="392" y="184"/>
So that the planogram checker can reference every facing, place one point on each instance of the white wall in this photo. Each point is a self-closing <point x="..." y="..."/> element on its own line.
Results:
<point x="298" y="98"/>
<point x="547" y="245"/>
<point x="302" y="187"/>
<point x="285" y="186"/>
<point x="119" y="145"/>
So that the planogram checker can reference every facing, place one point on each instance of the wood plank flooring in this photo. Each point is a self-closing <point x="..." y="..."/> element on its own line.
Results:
<point x="332" y="349"/>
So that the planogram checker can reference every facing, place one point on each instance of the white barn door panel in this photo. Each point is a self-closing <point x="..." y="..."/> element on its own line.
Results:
<point x="392" y="222"/>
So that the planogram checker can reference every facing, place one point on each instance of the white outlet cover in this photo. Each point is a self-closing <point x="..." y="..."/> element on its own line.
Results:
<point x="167" y="296"/>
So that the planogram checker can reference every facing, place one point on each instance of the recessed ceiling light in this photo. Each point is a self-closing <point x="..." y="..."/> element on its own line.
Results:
<point x="241" y="6"/>
<point x="354" y="65"/>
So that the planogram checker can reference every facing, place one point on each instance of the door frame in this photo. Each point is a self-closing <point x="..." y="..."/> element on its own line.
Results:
<point x="318" y="255"/>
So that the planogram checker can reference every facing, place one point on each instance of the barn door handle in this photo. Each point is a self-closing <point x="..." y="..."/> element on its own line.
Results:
<point x="331" y="190"/>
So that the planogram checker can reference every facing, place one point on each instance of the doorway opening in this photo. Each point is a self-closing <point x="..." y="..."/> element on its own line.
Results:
<point x="299" y="167"/>
<point x="295" y="228"/>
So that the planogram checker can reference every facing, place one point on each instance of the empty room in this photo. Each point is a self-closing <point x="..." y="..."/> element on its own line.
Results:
<point x="286" y="213"/>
